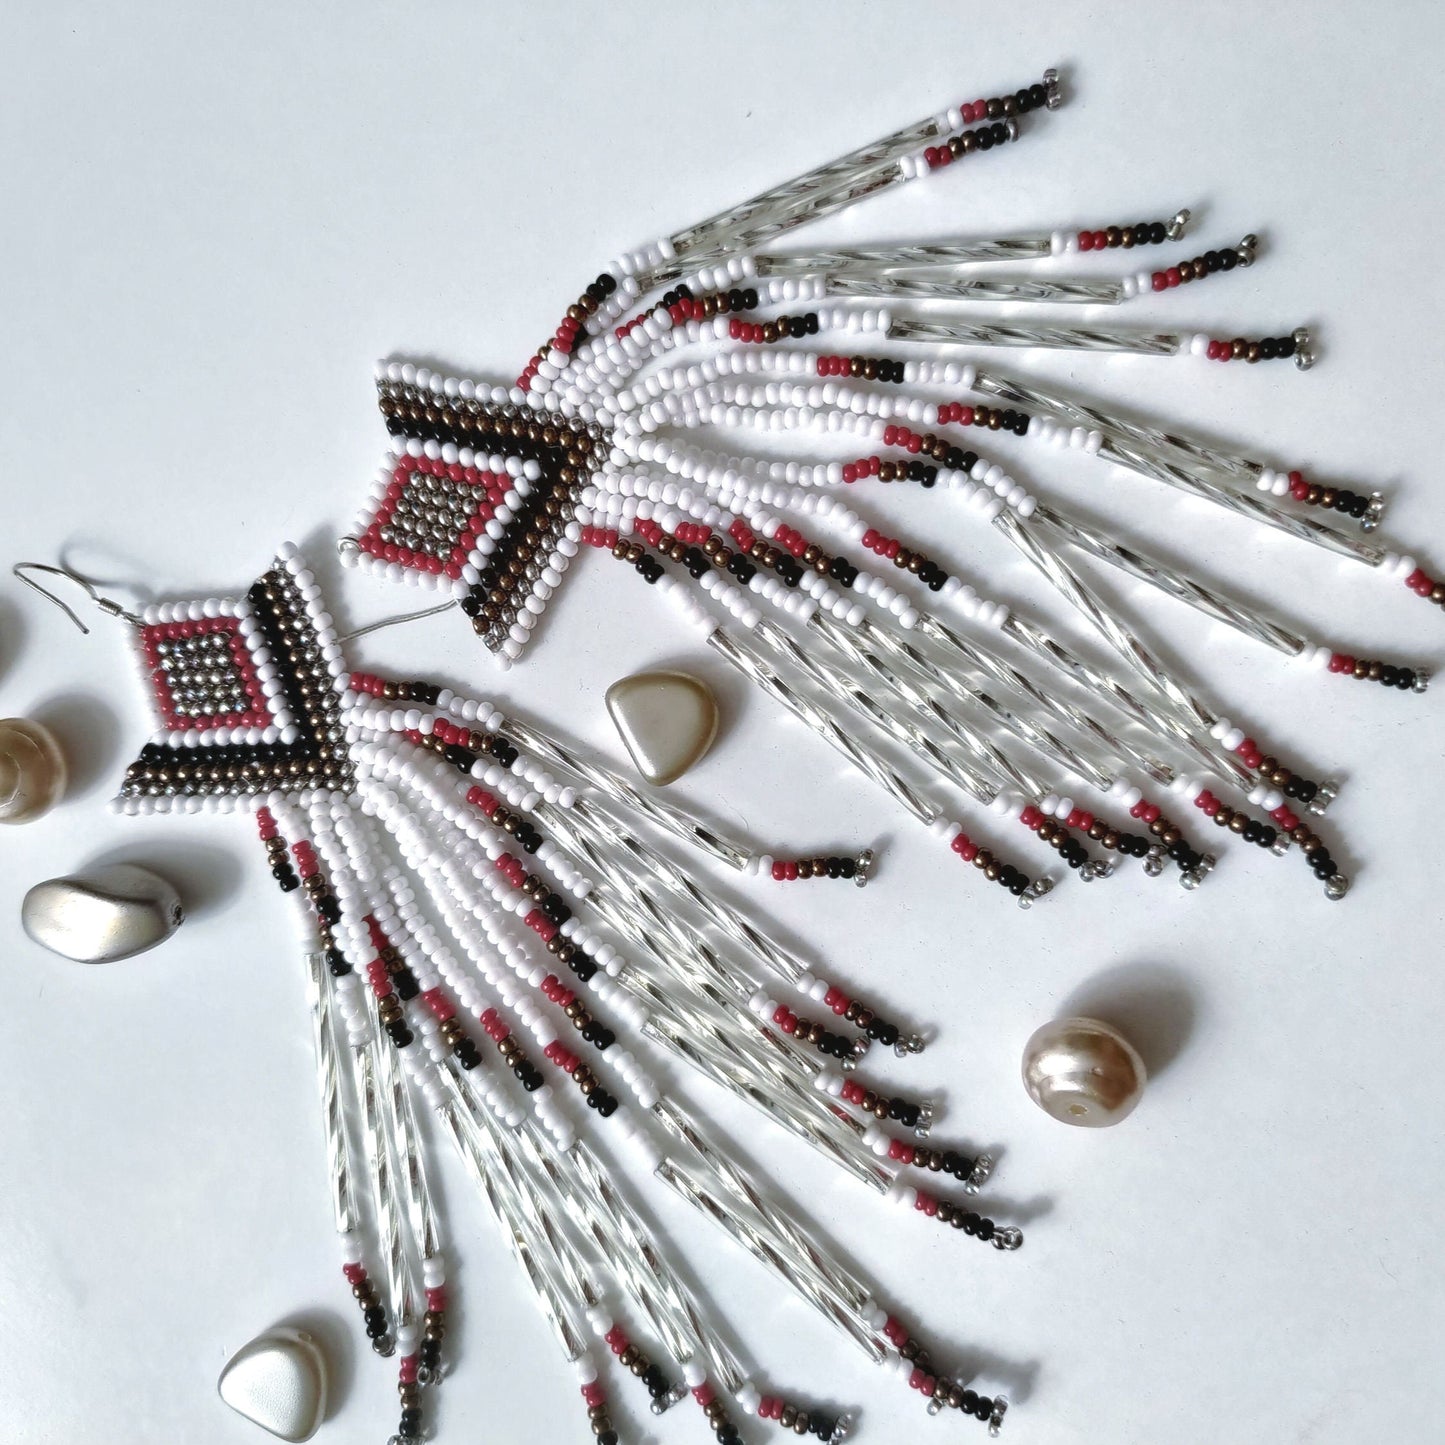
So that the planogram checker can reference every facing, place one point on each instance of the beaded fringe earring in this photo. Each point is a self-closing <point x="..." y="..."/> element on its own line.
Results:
<point x="488" y="492"/>
<point x="459" y="879"/>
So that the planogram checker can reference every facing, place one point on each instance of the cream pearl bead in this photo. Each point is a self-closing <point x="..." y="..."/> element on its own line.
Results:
<point x="32" y="770"/>
<point x="1084" y="1072"/>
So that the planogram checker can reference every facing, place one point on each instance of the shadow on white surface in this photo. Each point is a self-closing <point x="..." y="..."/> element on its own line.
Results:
<point x="206" y="877"/>
<point x="12" y="636"/>
<point x="1154" y="1005"/>
<point x="88" y="730"/>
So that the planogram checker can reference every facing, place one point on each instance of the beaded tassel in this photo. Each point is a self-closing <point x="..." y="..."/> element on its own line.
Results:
<point x="454" y="899"/>
<point x="591" y="446"/>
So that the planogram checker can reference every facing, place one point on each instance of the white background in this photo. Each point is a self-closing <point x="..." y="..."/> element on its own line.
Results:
<point x="217" y="217"/>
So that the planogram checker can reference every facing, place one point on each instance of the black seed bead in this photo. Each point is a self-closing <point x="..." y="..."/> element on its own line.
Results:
<point x="1000" y="133"/>
<point x="822" y="1426"/>
<point x="1156" y="233"/>
<point x="1228" y="260"/>
<point x="406" y="985"/>
<point x="983" y="1409"/>
<point x="1307" y="790"/>
<point x="584" y="968"/>
<point x="985" y="138"/>
<point x="750" y="298"/>
<point x="985" y="1229"/>
<point x="410" y="1419"/>
<point x="887" y="1034"/>
<point x="971" y="1222"/>
<point x="1267" y="836"/>
<point x="607" y="1437"/>
<point x="847" y="868"/>
<point x="459" y="757"/>
<point x="970" y="1401"/>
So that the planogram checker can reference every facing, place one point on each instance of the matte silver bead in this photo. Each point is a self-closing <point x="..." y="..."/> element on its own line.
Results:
<point x="279" y="1382"/>
<point x="1084" y="1072"/>
<point x="667" y="721"/>
<point x="101" y="916"/>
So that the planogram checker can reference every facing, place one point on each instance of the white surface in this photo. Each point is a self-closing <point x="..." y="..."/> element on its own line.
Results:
<point x="217" y="219"/>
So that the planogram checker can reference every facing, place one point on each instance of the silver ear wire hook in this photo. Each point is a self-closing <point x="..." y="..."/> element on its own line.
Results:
<point x="395" y="621"/>
<point x="106" y="604"/>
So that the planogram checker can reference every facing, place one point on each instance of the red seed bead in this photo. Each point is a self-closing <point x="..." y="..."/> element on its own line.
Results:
<point x="1159" y="281"/>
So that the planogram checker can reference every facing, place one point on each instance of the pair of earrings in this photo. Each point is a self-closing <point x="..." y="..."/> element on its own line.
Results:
<point x="475" y="898"/>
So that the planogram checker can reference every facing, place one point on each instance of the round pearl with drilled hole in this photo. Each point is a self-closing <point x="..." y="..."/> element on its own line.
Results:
<point x="1084" y="1072"/>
